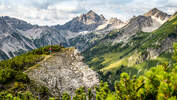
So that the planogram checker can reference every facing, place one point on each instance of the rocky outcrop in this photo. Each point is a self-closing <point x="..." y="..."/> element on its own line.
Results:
<point x="64" y="72"/>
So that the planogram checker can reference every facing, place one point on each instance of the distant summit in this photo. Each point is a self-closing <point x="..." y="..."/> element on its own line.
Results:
<point x="85" y="22"/>
<point x="157" y="14"/>
<point x="90" y="18"/>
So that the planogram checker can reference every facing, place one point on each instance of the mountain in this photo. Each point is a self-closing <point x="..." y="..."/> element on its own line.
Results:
<point x="131" y="50"/>
<point x="157" y="14"/>
<point x="34" y="36"/>
<point x="85" y="22"/>
<point x="12" y="42"/>
<point x="145" y="23"/>
<point x="81" y="32"/>
<point x="90" y="27"/>
<point x="158" y="18"/>
<point x="44" y="35"/>
<point x="17" y="37"/>
<point x="91" y="22"/>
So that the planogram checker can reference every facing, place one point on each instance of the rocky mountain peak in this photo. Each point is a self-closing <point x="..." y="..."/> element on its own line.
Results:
<point x="156" y="13"/>
<point x="84" y="22"/>
<point x="90" y="18"/>
<point x="91" y="12"/>
<point x="152" y="12"/>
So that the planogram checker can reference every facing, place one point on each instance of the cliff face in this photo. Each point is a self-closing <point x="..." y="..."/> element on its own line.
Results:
<point x="63" y="72"/>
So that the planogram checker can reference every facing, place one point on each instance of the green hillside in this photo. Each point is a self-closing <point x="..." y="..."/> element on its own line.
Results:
<point x="132" y="57"/>
<point x="15" y="82"/>
<point x="159" y="83"/>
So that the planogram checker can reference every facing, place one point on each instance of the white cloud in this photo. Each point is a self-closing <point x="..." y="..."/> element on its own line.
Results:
<point x="51" y="12"/>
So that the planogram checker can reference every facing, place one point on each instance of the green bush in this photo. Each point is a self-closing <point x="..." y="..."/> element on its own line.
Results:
<point x="6" y="74"/>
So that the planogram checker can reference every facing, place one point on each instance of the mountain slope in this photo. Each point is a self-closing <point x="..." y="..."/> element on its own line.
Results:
<point x="46" y="74"/>
<point x="11" y="41"/>
<point x="112" y="23"/>
<point x="135" y="54"/>
<point x="17" y="37"/>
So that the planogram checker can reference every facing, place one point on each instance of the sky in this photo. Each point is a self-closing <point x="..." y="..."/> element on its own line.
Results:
<point x="52" y="12"/>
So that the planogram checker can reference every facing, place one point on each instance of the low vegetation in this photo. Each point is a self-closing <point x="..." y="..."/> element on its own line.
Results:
<point x="12" y="76"/>
<point x="159" y="83"/>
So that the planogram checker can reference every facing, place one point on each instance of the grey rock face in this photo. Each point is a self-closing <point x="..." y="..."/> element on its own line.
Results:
<point x="148" y="22"/>
<point x="11" y="41"/>
<point x="158" y="14"/>
<point x="112" y="23"/>
<point x="85" y="22"/>
<point x="17" y="36"/>
<point x="158" y="18"/>
<point x="135" y="25"/>
<point x="64" y="72"/>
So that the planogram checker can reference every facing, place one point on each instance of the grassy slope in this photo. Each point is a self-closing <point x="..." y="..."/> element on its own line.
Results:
<point x="113" y="59"/>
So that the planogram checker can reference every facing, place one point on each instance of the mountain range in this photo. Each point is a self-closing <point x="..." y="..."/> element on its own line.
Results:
<point x="82" y="32"/>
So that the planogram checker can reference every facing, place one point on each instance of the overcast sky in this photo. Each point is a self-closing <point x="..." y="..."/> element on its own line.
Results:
<point x="51" y="12"/>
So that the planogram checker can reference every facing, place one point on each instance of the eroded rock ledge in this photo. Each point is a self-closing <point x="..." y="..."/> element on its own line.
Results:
<point x="64" y="72"/>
